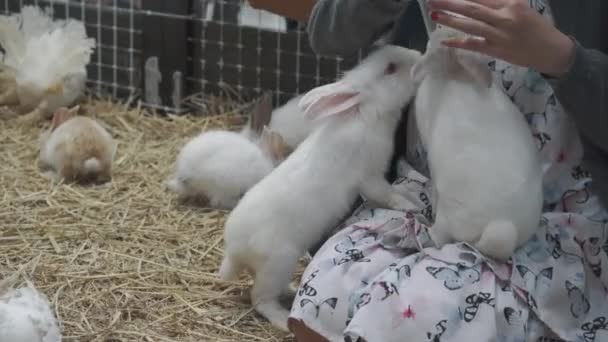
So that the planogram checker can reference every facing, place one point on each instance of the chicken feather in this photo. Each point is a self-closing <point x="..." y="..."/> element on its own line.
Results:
<point x="47" y="57"/>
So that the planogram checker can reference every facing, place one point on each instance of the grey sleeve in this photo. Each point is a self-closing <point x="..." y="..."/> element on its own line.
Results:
<point x="341" y="27"/>
<point x="583" y="92"/>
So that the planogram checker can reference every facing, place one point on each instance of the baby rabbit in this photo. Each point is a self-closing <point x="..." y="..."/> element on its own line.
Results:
<point x="76" y="149"/>
<point x="286" y="212"/>
<point x="220" y="166"/>
<point x="482" y="157"/>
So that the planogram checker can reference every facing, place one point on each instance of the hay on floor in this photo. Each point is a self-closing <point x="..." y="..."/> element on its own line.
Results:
<point x="124" y="261"/>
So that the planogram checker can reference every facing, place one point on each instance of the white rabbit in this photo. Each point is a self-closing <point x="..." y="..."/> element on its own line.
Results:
<point x="285" y="213"/>
<point x="220" y="166"/>
<point x="482" y="157"/>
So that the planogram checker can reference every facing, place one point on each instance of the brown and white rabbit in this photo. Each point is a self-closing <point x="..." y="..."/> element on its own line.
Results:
<point x="346" y="155"/>
<point x="76" y="149"/>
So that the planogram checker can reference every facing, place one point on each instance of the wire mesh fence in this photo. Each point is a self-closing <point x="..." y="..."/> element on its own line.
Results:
<point x="166" y="51"/>
<point x="115" y="65"/>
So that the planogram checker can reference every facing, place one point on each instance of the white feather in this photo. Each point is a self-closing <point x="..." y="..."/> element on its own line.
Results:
<point x="17" y="29"/>
<point x="12" y="41"/>
<point x="46" y="54"/>
<point x="26" y="316"/>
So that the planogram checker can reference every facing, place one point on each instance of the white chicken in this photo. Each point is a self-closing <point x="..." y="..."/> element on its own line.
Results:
<point x="47" y="59"/>
<point x="25" y="314"/>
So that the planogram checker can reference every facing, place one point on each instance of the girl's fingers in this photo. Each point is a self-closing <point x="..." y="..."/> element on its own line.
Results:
<point x="495" y="4"/>
<point x="466" y="43"/>
<point x="470" y="9"/>
<point x="469" y="26"/>
<point x="472" y="44"/>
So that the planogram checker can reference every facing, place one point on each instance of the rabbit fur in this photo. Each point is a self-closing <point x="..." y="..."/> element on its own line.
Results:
<point x="76" y="149"/>
<point x="483" y="161"/>
<point x="287" y="211"/>
<point x="218" y="167"/>
<point x="211" y="167"/>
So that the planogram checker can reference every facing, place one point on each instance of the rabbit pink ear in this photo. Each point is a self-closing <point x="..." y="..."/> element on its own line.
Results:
<point x="419" y="70"/>
<point x="330" y="99"/>
<point x="60" y="116"/>
<point x="273" y="144"/>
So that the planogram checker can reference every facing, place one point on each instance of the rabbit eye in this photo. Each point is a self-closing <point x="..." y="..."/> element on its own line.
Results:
<point x="391" y="68"/>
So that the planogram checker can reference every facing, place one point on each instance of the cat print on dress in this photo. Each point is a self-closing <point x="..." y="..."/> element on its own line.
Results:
<point x="474" y="303"/>
<point x="330" y="302"/>
<point x="454" y="280"/>
<point x="579" y="304"/>
<point x="534" y="279"/>
<point x="591" y="329"/>
<point x="440" y="328"/>
<point x="306" y="289"/>
<point x="388" y="288"/>
<point x="513" y="316"/>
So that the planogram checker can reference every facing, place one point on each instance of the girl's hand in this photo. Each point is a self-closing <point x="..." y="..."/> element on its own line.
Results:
<point x="510" y="30"/>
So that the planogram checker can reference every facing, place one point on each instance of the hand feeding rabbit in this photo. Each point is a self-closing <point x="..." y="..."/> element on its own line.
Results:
<point x="482" y="157"/>
<point x="76" y="148"/>
<point x="285" y="213"/>
<point x="220" y="166"/>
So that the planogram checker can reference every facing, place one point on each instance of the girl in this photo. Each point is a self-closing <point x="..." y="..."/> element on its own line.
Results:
<point x="380" y="278"/>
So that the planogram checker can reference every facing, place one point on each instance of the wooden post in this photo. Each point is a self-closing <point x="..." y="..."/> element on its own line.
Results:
<point x="166" y="38"/>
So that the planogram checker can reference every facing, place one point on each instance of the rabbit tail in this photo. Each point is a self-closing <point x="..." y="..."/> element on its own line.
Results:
<point x="92" y="165"/>
<point x="498" y="240"/>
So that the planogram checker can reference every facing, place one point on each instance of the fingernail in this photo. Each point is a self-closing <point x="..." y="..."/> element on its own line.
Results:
<point x="434" y="15"/>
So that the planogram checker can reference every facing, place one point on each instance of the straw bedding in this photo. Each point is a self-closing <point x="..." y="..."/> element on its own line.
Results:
<point x="124" y="261"/>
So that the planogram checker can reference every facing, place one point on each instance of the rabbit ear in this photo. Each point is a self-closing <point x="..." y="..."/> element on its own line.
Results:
<point x="261" y="113"/>
<point x="60" y="116"/>
<point x="273" y="144"/>
<point x="475" y="65"/>
<point x="419" y="70"/>
<point x="330" y="99"/>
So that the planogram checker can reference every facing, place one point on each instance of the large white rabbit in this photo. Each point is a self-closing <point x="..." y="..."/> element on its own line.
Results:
<point x="482" y="157"/>
<point x="346" y="155"/>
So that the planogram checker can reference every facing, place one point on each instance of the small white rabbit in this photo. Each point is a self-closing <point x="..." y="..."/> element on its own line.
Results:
<point x="482" y="157"/>
<point x="220" y="166"/>
<point x="286" y="212"/>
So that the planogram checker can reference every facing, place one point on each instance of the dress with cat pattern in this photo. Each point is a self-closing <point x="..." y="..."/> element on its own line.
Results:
<point x="380" y="278"/>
